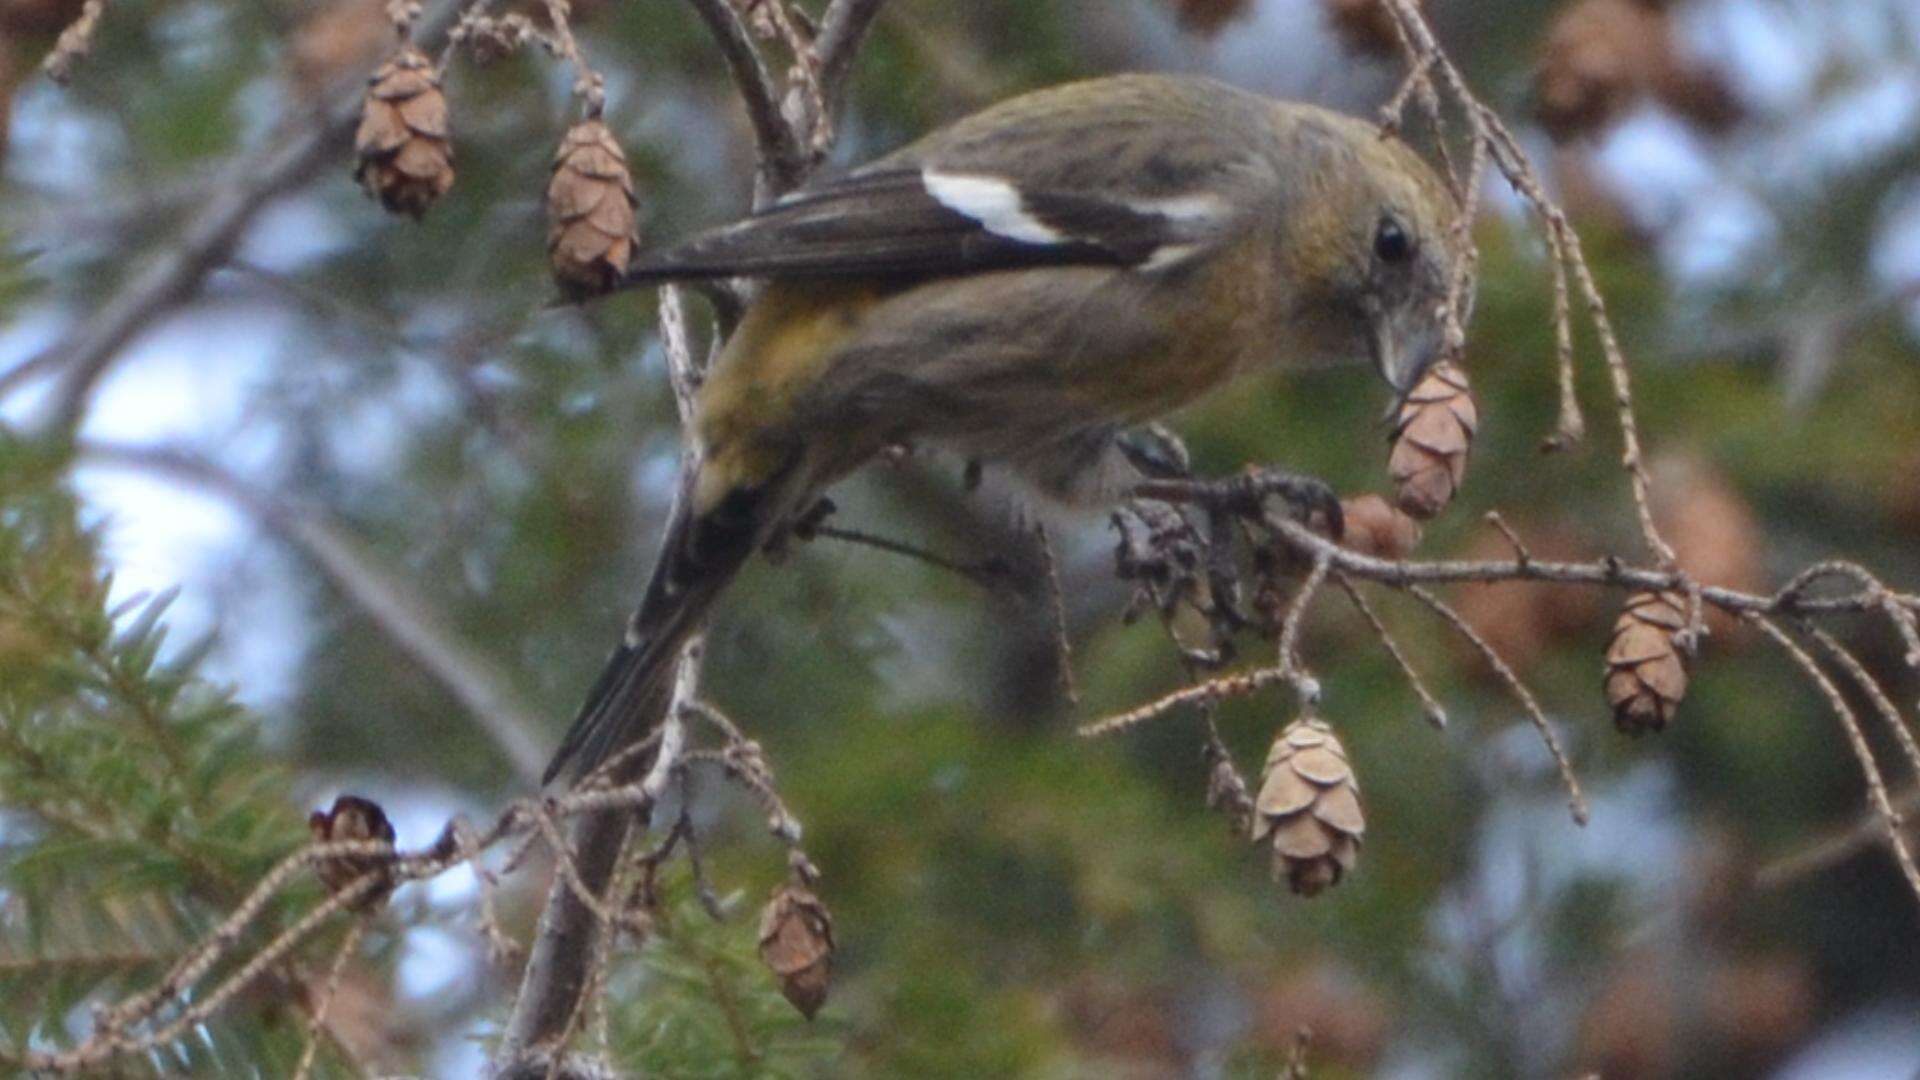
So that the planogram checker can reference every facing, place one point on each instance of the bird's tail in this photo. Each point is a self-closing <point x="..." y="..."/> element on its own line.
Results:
<point x="701" y="554"/>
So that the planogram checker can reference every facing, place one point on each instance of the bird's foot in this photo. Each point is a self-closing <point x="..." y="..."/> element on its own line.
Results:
<point x="1249" y="495"/>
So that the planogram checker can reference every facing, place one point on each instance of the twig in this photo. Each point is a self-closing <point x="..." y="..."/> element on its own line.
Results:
<point x="1226" y="789"/>
<point x="1492" y="134"/>
<point x="1876" y="787"/>
<point x="1435" y="714"/>
<point x="387" y="600"/>
<point x="1057" y="615"/>
<point x="1226" y="686"/>
<point x="1833" y="848"/>
<point x="842" y="31"/>
<point x="989" y="573"/>
<point x="782" y="160"/>
<point x="179" y="267"/>
<point x="1870" y="686"/>
<point x="1520" y="552"/>
<point x="1576" y="801"/>
<point x="588" y="85"/>
<point x="1291" y="669"/>
<point x="328" y="989"/>
<point x="75" y="42"/>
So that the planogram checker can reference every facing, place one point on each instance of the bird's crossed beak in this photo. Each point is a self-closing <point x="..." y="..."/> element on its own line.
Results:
<point x="1404" y="344"/>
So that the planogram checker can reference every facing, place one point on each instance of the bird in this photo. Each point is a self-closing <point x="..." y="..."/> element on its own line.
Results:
<point x="1025" y="286"/>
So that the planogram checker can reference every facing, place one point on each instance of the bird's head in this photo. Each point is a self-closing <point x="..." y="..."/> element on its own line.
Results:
<point x="1368" y="242"/>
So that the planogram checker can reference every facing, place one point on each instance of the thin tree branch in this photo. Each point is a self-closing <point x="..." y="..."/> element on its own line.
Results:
<point x="782" y="157"/>
<point x="569" y="946"/>
<point x="842" y="31"/>
<point x="178" y="269"/>
<point x="1877" y="796"/>
<point x="388" y="601"/>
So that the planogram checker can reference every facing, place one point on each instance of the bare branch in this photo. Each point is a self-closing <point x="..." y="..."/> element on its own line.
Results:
<point x="75" y="42"/>
<point x="1576" y="800"/>
<point x="842" y="31"/>
<point x="177" y="270"/>
<point x="1833" y="848"/>
<point x="782" y="159"/>
<point x="1226" y="686"/>
<point x="393" y="606"/>
<point x="1876" y="787"/>
<point x="331" y="987"/>
<point x="1435" y="714"/>
<point x="1882" y="702"/>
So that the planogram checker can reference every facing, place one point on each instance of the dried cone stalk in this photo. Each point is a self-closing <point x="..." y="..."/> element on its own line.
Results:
<point x="1431" y="440"/>
<point x="406" y="158"/>
<point x="590" y="211"/>
<point x="1646" y="673"/>
<point x="796" y="942"/>
<point x="352" y="818"/>
<point x="1309" y="807"/>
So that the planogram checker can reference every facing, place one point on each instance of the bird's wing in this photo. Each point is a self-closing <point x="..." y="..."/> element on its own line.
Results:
<point x="1045" y="179"/>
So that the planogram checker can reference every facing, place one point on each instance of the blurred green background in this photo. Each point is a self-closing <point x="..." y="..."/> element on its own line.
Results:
<point x="1010" y="900"/>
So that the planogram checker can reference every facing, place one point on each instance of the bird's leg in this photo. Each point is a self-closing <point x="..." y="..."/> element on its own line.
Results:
<point x="804" y="527"/>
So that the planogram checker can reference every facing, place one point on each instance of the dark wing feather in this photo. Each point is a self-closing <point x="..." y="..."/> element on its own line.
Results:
<point x="884" y="222"/>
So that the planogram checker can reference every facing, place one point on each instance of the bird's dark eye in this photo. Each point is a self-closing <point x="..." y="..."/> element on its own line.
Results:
<point x="1391" y="244"/>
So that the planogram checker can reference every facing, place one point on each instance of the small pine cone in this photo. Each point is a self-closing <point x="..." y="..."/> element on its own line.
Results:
<point x="796" y="943"/>
<point x="338" y="37"/>
<point x="1365" y="26"/>
<point x="1431" y="440"/>
<point x="405" y="156"/>
<point x="1646" y="672"/>
<point x="1206" y="17"/>
<point x="590" y="211"/>
<point x="1594" y="62"/>
<point x="352" y="818"/>
<point x="32" y="18"/>
<point x="1309" y="807"/>
<point x="1377" y="527"/>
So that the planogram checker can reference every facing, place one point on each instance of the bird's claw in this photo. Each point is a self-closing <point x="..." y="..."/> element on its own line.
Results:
<point x="1312" y="500"/>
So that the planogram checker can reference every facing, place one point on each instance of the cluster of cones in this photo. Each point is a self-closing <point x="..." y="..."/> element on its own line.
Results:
<point x="404" y="153"/>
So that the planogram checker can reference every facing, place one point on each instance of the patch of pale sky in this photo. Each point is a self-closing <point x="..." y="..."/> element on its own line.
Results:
<point x="1879" y="1044"/>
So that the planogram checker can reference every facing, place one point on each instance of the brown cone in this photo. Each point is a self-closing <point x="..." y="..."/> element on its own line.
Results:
<point x="1646" y="673"/>
<point x="1377" y="527"/>
<point x="590" y="211"/>
<point x="1601" y="55"/>
<point x="28" y="18"/>
<point x="796" y="943"/>
<point x="1364" y="25"/>
<point x="341" y="36"/>
<point x="1309" y="807"/>
<point x="1431" y="440"/>
<point x="405" y="156"/>
<point x="1207" y="16"/>
<point x="352" y="818"/>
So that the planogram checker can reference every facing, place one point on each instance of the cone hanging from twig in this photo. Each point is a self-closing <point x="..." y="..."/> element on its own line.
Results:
<point x="1646" y="671"/>
<point x="403" y="143"/>
<point x="590" y="211"/>
<point x="1309" y="807"/>
<point x="353" y="818"/>
<point x="1431" y="439"/>
<point x="796" y="942"/>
